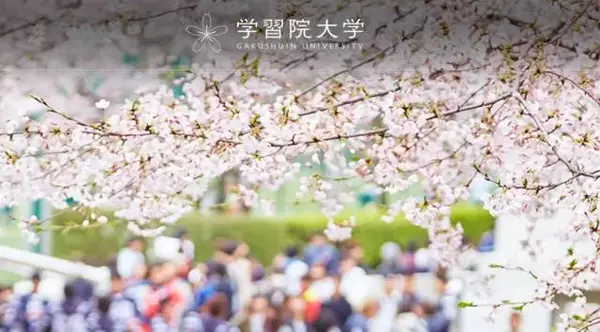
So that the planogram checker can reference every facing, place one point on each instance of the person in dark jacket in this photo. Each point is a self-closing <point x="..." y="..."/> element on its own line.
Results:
<point x="436" y="319"/>
<point x="218" y="282"/>
<point x="122" y="312"/>
<point x="29" y="312"/>
<point x="326" y="322"/>
<point x="339" y="305"/>
<point x="211" y="318"/>
<point x="319" y="251"/>
<point x="72" y="314"/>
<point x="99" y="320"/>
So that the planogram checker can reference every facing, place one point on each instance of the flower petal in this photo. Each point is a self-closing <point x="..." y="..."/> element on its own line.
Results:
<point x="206" y="22"/>
<point x="214" y="44"/>
<point x="194" y="30"/>
<point x="199" y="44"/>
<point x="219" y="30"/>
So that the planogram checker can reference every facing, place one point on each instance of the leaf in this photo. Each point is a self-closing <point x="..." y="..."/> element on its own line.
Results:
<point x="495" y="266"/>
<point x="519" y="307"/>
<point x="465" y="304"/>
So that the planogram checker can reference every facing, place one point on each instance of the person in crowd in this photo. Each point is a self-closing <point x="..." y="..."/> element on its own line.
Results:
<point x="5" y="296"/>
<point x="322" y="285"/>
<point x="441" y="316"/>
<point x="361" y="322"/>
<point x="167" y="286"/>
<point x="30" y="312"/>
<point x="277" y="297"/>
<point x="313" y="304"/>
<point x="118" y="309"/>
<point x="353" y="250"/>
<point x="320" y="251"/>
<point x="73" y="313"/>
<point x="204" y="290"/>
<point x="100" y="319"/>
<point x="408" y="294"/>
<point x="389" y="304"/>
<point x="327" y="322"/>
<point x="131" y="258"/>
<point x="351" y="275"/>
<point x="294" y="320"/>
<point x="211" y="317"/>
<point x="293" y="269"/>
<point x="339" y="305"/>
<point x="257" y="315"/>
<point x="411" y="319"/>
<point x="515" y="321"/>
<point x="180" y="289"/>
<point x="258" y="270"/>
<point x="197" y="276"/>
<point x="150" y="296"/>
<point x="407" y="259"/>
<point x="390" y="251"/>
<point x="435" y="319"/>
<point x="275" y="315"/>
<point x="222" y="283"/>
<point x="83" y="288"/>
<point x="240" y="269"/>
<point x="163" y="320"/>
<point x="423" y="260"/>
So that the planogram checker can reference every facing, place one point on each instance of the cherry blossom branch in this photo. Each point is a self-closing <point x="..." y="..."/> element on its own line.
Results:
<point x="375" y="132"/>
<point x="565" y="78"/>
<point x="364" y="62"/>
<point x="546" y="136"/>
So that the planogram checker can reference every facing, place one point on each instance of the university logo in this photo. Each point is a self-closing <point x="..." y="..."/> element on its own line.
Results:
<point x="206" y="34"/>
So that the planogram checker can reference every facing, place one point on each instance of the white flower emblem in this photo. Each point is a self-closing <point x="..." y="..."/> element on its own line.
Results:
<point x="206" y="34"/>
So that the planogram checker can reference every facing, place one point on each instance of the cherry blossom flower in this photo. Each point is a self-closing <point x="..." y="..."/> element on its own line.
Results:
<point x="102" y="104"/>
<point x="338" y="233"/>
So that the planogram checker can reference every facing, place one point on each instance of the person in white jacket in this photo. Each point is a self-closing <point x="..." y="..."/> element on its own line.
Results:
<point x="240" y="269"/>
<point x="131" y="258"/>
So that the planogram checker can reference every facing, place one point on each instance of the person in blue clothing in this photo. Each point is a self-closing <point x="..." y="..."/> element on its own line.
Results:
<point x="118" y="310"/>
<point x="359" y="322"/>
<point x="29" y="312"/>
<point x="218" y="282"/>
<point x="72" y="314"/>
<point x="211" y="318"/>
<point x="83" y="288"/>
<point x="440" y="317"/>
<point x="320" y="251"/>
<point x="5" y="295"/>
<point x="99" y="320"/>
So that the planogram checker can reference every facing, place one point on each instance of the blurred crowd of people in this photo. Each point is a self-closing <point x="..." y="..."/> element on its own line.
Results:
<point x="319" y="288"/>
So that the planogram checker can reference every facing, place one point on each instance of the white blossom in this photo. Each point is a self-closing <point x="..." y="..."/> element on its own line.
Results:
<point x="102" y="104"/>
